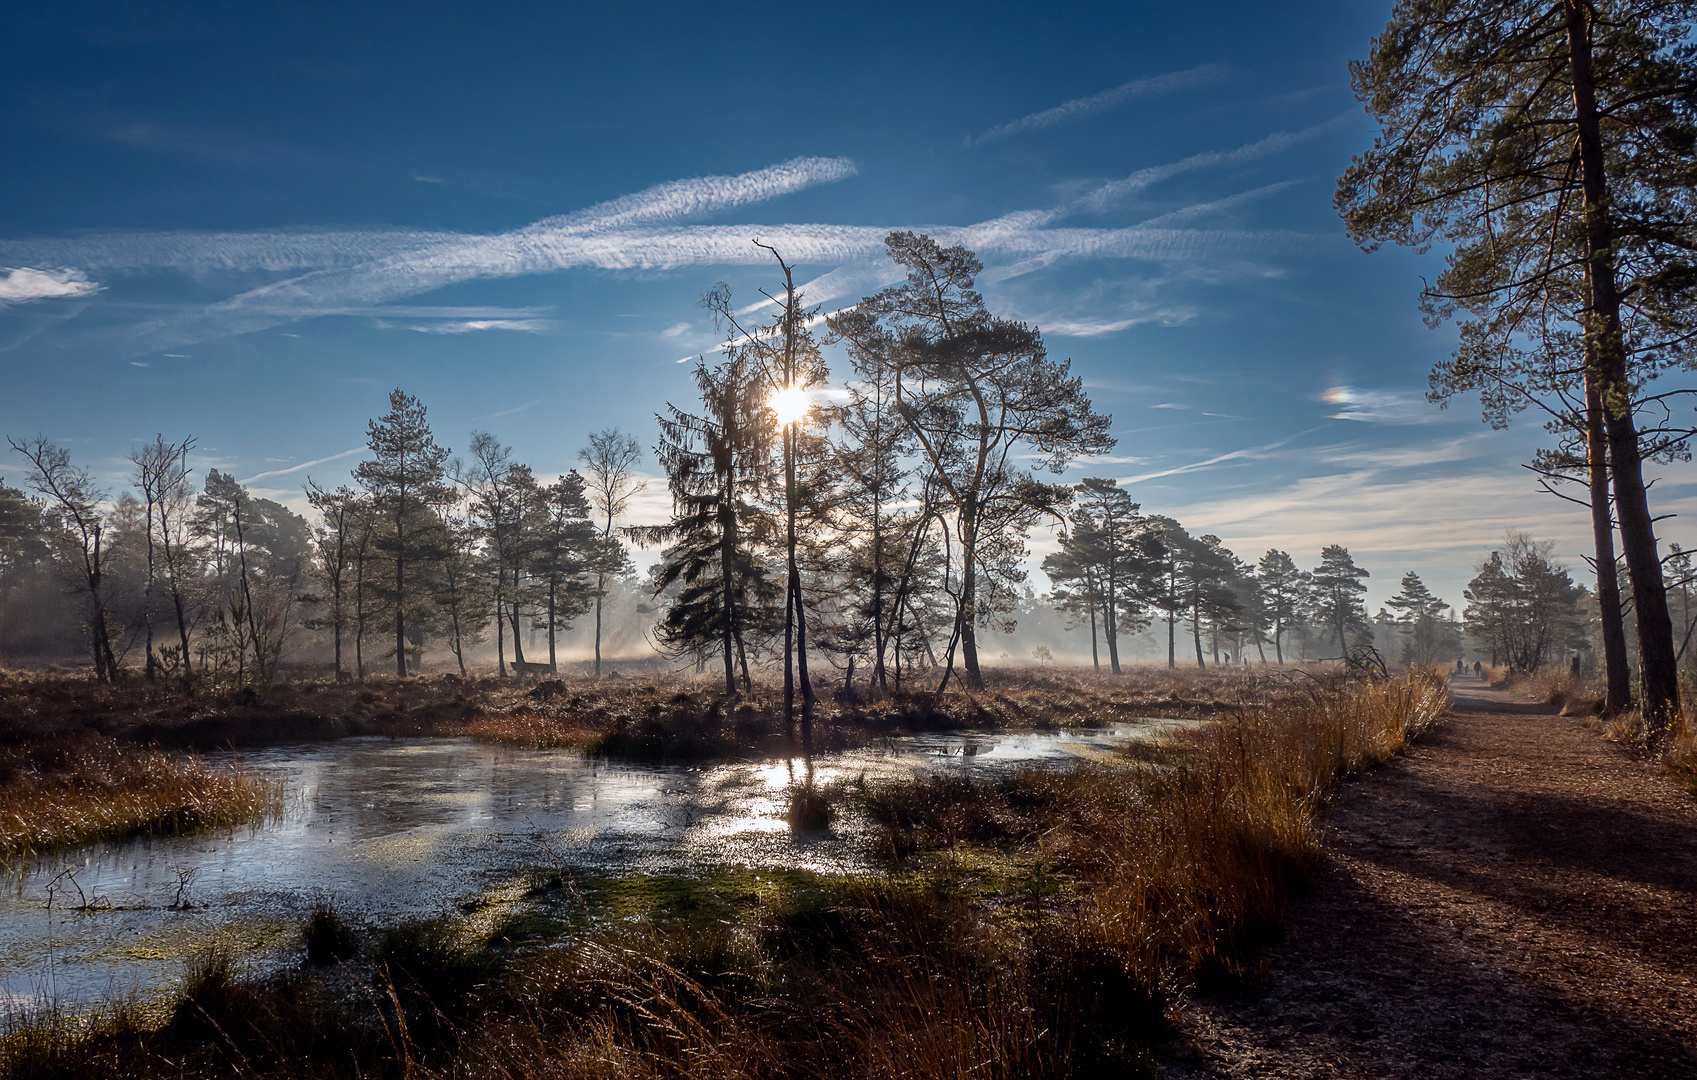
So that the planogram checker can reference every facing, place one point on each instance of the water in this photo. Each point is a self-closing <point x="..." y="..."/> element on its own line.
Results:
<point x="416" y="828"/>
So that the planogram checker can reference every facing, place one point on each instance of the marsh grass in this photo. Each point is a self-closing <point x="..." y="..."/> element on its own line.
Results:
<point x="55" y="795"/>
<point x="1137" y="878"/>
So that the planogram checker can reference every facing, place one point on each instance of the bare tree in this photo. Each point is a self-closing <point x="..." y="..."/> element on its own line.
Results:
<point x="74" y="496"/>
<point x="608" y="461"/>
<point x="162" y="472"/>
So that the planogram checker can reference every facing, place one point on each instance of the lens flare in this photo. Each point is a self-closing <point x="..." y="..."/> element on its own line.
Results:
<point x="790" y="404"/>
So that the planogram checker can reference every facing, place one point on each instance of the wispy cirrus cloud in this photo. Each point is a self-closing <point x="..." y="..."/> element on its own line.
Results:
<point x="303" y="465"/>
<point x="472" y="326"/>
<point x="1111" y="194"/>
<point x="365" y="272"/>
<point x="1248" y="452"/>
<point x="22" y="284"/>
<point x="1079" y="108"/>
<point x="1230" y="202"/>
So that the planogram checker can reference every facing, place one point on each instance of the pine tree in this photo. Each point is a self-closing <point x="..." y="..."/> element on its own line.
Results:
<point x="1336" y="590"/>
<point x="1551" y="142"/>
<point x="404" y="476"/>
<point x="1419" y="614"/>
<point x="716" y="466"/>
<point x="1283" y="587"/>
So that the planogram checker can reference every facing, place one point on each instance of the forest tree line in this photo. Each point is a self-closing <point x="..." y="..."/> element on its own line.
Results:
<point x="881" y="529"/>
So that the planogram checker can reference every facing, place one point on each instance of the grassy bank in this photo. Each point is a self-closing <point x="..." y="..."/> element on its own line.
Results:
<point x="662" y="718"/>
<point x="57" y="794"/>
<point x="1116" y="883"/>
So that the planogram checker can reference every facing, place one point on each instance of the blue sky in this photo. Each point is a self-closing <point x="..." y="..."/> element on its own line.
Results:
<point x="248" y="224"/>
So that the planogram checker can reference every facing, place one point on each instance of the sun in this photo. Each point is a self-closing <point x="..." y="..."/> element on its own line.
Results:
<point x="790" y="404"/>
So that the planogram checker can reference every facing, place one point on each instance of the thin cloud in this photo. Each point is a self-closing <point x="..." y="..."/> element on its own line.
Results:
<point x="1230" y="202"/>
<point x="472" y="326"/>
<point x="676" y="330"/>
<point x="1381" y="406"/>
<point x="1219" y="459"/>
<point x="1108" y="195"/>
<point x="302" y="465"/>
<point x="1079" y="108"/>
<point x="1169" y="405"/>
<point x="511" y="411"/>
<point x="23" y="284"/>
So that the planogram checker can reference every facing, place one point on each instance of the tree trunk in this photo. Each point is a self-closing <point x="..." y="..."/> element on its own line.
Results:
<point x="1278" y="632"/>
<point x="147" y="594"/>
<point x="1617" y="676"/>
<point x="1196" y="630"/>
<point x="600" y="594"/>
<point x="1111" y="624"/>
<point x="727" y="556"/>
<point x="553" y="668"/>
<point x="1172" y="654"/>
<point x="968" y="609"/>
<point x="400" y="594"/>
<point x="1095" y="660"/>
<point x="1605" y="350"/>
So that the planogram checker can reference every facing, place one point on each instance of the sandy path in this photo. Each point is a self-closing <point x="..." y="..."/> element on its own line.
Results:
<point x="1513" y="897"/>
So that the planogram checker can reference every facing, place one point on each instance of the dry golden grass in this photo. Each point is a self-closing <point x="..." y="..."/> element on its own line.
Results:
<point x="61" y="795"/>
<point x="531" y="729"/>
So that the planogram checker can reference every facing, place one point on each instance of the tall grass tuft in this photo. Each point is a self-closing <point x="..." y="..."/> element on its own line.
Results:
<point x="98" y="789"/>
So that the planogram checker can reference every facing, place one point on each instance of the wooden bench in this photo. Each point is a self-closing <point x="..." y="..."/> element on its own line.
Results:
<point x="520" y="668"/>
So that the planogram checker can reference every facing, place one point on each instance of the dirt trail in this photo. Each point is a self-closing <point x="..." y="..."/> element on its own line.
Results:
<point x="1513" y="897"/>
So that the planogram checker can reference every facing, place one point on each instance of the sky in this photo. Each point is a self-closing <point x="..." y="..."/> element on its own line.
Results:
<point x="248" y="223"/>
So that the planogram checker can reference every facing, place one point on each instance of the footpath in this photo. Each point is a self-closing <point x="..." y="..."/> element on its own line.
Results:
<point x="1513" y="897"/>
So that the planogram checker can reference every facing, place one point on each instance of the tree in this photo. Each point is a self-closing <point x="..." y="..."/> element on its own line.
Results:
<point x="715" y="466"/>
<point x="260" y="550"/>
<point x="1522" y="606"/>
<point x="502" y="496"/>
<point x="336" y="541"/>
<point x="1419" y="614"/>
<point x="974" y="390"/>
<point x="405" y="475"/>
<point x="75" y="500"/>
<point x="1283" y="587"/>
<point x="1169" y="591"/>
<point x="1210" y="573"/>
<point x="1335" y="591"/>
<point x="1551" y="142"/>
<point x="459" y="588"/>
<point x="24" y="549"/>
<point x="567" y="550"/>
<point x="611" y="482"/>
<point x="162" y="474"/>
<point x="787" y="357"/>
<point x="872" y="482"/>
<point x="1107" y="553"/>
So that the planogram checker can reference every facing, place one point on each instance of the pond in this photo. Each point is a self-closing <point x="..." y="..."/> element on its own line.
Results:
<point x="397" y="829"/>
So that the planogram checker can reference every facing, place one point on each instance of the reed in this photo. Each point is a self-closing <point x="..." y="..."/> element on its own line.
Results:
<point x="59" y="796"/>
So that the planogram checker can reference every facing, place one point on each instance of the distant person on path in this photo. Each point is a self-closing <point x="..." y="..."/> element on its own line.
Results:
<point x="1478" y="672"/>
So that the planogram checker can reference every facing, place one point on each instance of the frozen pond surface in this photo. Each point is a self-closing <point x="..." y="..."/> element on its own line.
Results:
<point x="394" y="829"/>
